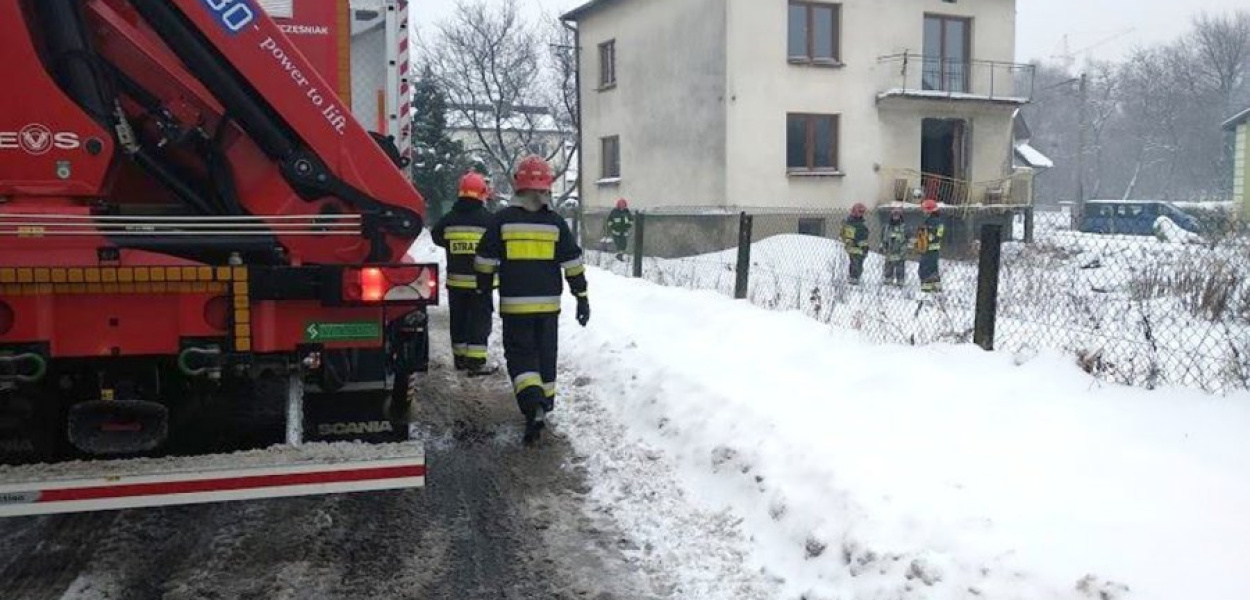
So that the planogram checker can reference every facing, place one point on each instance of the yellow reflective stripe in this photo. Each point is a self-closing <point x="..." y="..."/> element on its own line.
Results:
<point x="457" y="349"/>
<point x="575" y="271"/>
<point x="462" y="281"/>
<point x="581" y="294"/>
<point x="485" y="265"/>
<point x="529" y="305"/>
<point x="471" y="236"/>
<point x="529" y="249"/>
<point x="530" y="231"/>
<point x="527" y="380"/>
<point x="459" y="229"/>
<point x="549" y="390"/>
<point x="475" y="352"/>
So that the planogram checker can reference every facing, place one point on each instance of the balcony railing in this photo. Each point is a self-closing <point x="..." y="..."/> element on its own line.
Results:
<point x="918" y="75"/>
<point x="901" y="185"/>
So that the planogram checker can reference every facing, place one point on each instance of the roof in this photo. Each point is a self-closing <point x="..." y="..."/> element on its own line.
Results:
<point x="1241" y="117"/>
<point x="1033" y="157"/>
<point x="583" y="10"/>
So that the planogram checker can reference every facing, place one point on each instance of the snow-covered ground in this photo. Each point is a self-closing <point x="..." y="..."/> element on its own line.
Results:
<point x="1137" y="310"/>
<point x="722" y="434"/>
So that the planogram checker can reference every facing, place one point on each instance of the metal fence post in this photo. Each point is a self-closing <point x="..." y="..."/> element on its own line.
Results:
<point x="987" y="285"/>
<point x="1030" y="222"/>
<point x="742" y="273"/>
<point x="640" y="223"/>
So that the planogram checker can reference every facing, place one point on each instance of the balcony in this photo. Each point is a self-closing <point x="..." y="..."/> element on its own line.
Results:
<point x="918" y="76"/>
<point x="909" y="186"/>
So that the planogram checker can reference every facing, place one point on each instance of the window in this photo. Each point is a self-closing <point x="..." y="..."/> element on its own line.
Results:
<point x="815" y="32"/>
<point x="947" y="53"/>
<point x="812" y="142"/>
<point x="815" y="227"/>
<point x="610" y="159"/>
<point x="607" y="65"/>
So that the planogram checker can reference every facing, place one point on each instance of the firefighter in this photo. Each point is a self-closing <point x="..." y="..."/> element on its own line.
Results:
<point x="894" y="246"/>
<point x="620" y="223"/>
<point x="929" y="246"/>
<point x="855" y="237"/>
<point x="459" y="232"/>
<point x="528" y="245"/>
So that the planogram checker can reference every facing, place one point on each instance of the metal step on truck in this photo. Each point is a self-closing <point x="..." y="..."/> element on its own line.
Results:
<point x="205" y="220"/>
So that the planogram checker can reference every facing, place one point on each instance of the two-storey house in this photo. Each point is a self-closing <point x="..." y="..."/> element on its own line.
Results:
<point x="799" y="103"/>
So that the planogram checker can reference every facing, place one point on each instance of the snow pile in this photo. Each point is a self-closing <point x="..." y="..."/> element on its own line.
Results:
<point x="1168" y="231"/>
<point x="310" y="454"/>
<point x="1136" y="310"/>
<point x="862" y="471"/>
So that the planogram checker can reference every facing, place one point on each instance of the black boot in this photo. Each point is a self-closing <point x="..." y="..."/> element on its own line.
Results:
<point x="535" y="421"/>
<point x="461" y="364"/>
<point x="477" y="367"/>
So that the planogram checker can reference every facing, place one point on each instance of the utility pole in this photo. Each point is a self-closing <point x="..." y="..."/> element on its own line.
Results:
<point x="1083" y="140"/>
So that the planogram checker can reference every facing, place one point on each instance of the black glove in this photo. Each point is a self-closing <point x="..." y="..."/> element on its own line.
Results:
<point x="583" y="311"/>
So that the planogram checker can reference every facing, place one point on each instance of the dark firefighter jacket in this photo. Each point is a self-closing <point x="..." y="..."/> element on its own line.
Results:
<point x="528" y="250"/>
<point x="929" y="236"/>
<point x="459" y="232"/>
<point x="894" y="240"/>
<point x="620" y="222"/>
<point x="855" y="235"/>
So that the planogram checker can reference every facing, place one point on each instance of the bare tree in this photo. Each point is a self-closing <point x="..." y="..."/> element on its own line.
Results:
<point x="491" y="62"/>
<point x="1222" y="45"/>
<point x="561" y="42"/>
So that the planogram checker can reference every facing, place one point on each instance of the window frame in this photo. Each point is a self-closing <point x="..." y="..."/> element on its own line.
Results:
<point x="809" y="145"/>
<point x="810" y="57"/>
<point x="965" y="67"/>
<point x="607" y="65"/>
<point x="606" y="175"/>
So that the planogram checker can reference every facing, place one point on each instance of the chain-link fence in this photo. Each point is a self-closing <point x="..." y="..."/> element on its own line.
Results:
<point x="1164" y="307"/>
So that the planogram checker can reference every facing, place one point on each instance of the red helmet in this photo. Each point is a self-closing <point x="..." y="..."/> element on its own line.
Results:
<point x="532" y="173"/>
<point x="622" y="204"/>
<point x="929" y="206"/>
<point x="859" y="209"/>
<point x="473" y="186"/>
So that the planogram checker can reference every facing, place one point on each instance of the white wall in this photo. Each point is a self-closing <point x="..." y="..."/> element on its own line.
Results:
<point x="763" y="87"/>
<point x="1241" y="168"/>
<point x="668" y="105"/>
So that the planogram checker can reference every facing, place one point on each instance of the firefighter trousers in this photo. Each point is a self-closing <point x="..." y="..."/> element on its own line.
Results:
<point x="857" y="265"/>
<point x="895" y="270"/>
<point x="930" y="277"/>
<point x="470" y="325"/>
<point x="531" y="347"/>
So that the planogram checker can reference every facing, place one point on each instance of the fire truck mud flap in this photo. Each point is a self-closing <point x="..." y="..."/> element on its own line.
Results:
<point x="278" y="472"/>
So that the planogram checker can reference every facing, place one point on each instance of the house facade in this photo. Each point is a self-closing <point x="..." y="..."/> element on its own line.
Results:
<point x="809" y="104"/>
<point x="1240" y="126"/>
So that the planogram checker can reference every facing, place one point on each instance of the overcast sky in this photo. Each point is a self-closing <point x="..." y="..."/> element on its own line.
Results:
<point x="1041" y="26"/>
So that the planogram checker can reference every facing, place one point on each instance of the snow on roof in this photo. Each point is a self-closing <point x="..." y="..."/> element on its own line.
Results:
<point x="961" y="96"/>
<point x="1033" y="157"/>
<point x="582" y="10"/>
<point x="1240" y="118"/>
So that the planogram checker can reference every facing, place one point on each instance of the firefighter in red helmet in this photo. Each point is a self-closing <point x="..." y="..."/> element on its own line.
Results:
<point x="528" y="245"/>
<point x="855" y="238"/>
<point x="929" y="246"/>
<point x="458" y="233"/>
<point x="620" y="224"/>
